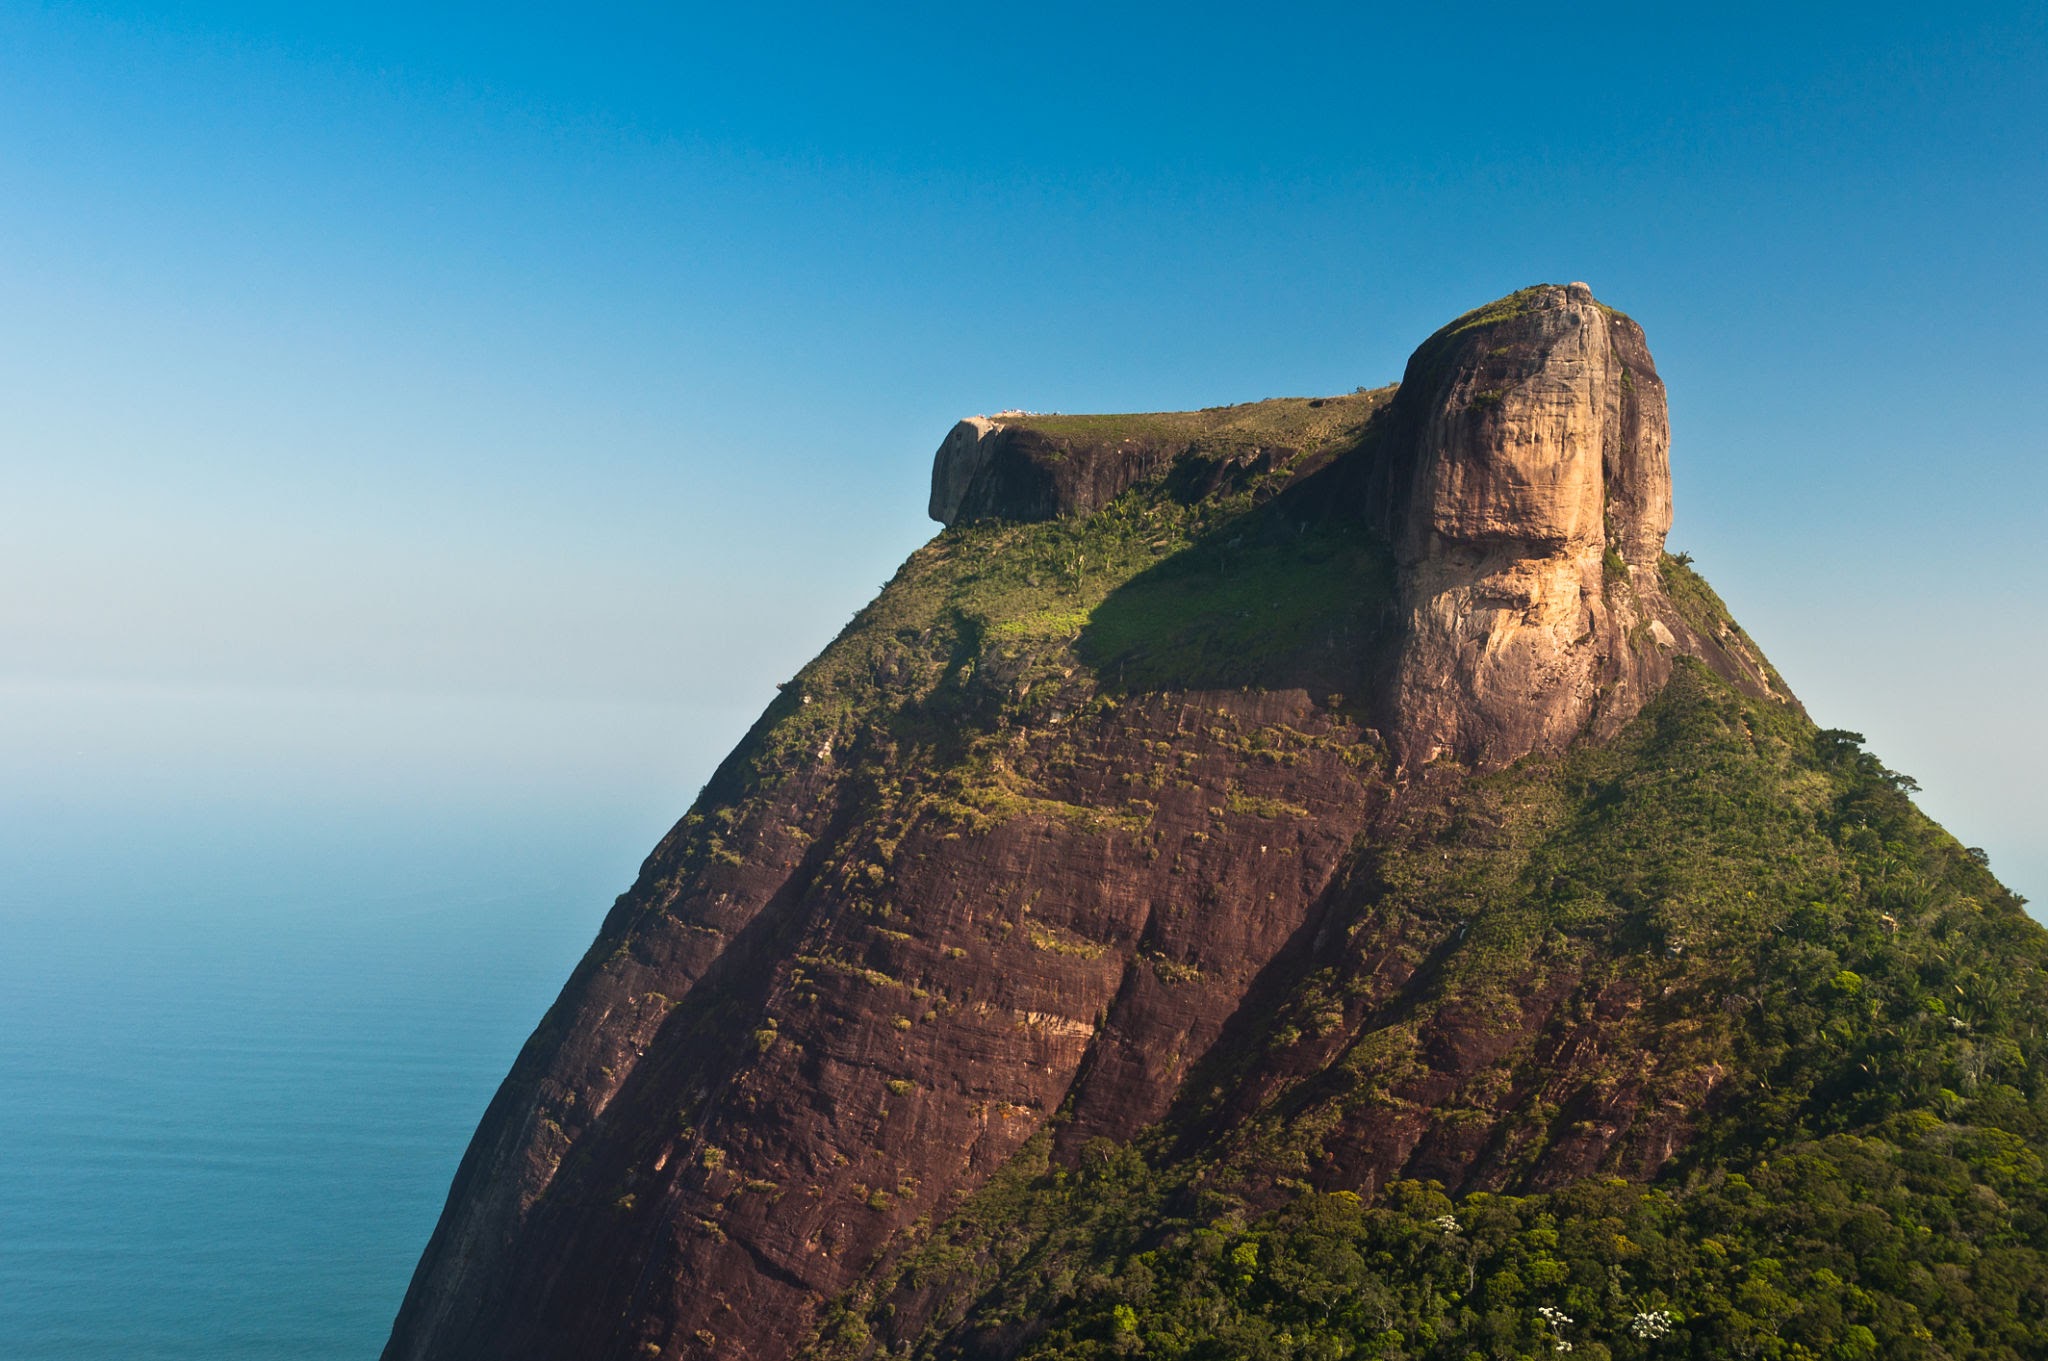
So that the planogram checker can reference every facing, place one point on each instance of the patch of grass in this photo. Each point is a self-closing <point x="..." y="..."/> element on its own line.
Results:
<point x="1259" y="600"/>
<point x="1042" y="624"/>
<point x="1697" y="603"/>
<point x="1515" y="304"/>
<point x="1059" y="942"/>
<point x="1700" y="607"/>
<point x="1297" y="422"/>
<point x="1252" y="805"/>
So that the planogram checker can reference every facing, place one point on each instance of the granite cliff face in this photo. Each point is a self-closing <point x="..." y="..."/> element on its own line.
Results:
<point x="1527" y="494"/>
<point x="1153" y="805"/>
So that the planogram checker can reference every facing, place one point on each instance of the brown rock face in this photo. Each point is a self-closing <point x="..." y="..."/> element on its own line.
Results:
<point x="1527" y="495"/>
<point x="1025" y="844"/>
<point x="988" y="468"/>
<point x="753" y="1085"/>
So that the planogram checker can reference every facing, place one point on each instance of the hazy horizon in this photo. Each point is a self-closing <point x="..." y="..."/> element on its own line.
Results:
<point x="431" y="431"/>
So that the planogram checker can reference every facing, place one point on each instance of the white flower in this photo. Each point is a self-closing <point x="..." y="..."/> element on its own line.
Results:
<point x="1653" y="1324"/>
<point x="1448" y="1223"/>
<point x="1557" y="1319"/>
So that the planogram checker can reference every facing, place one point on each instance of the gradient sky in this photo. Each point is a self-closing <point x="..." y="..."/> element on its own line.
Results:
<point x="470" y="412"/>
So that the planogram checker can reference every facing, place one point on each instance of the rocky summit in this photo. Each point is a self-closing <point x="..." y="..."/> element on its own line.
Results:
<point x="1310" y="878"/>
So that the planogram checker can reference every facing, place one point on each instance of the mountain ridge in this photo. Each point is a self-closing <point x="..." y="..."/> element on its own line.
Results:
<point x="1322" y="797"/>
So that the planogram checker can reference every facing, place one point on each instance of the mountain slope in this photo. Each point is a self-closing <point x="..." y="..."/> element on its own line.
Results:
<point x="1237" y="832"/>
<point x="1752" y="1043"/>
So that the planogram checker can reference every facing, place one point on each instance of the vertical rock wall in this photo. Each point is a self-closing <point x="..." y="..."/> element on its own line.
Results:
<point x="1527" y="491"/>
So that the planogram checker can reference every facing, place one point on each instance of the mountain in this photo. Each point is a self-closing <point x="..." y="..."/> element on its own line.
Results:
<point x="1311" y="878"/>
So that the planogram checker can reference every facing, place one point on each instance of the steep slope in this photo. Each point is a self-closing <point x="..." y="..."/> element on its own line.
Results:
<point x="1703" y="1038"/>
<point x="1228" y="812"/>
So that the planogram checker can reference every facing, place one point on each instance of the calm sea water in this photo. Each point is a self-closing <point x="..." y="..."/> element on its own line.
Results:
<point x="240" y="1057"/>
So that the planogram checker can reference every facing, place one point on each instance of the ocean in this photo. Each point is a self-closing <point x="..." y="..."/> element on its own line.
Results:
<point x="241" y="1051"/>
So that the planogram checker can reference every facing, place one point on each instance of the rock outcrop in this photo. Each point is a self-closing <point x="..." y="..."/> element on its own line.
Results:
<point x="1067" y="815"/>
<point x="988" y="468"/>
<point x="1526" y="490"/>
<point x="1023" y="469"/>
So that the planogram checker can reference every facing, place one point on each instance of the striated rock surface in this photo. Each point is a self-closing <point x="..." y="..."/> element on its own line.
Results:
<point x="1526" y="489"/>
<point x="1137" y="766"/>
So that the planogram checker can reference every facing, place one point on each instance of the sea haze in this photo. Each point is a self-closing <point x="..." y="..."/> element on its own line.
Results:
<point x="244" y="1042"/>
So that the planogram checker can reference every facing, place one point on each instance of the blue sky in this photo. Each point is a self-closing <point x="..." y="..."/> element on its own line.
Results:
<point x="477" y="409"/>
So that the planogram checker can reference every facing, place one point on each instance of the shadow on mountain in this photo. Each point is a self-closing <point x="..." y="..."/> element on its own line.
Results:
<point x="1288" y="595"/>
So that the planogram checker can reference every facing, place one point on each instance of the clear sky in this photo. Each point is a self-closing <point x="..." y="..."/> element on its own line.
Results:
<point x="472" y="411"/>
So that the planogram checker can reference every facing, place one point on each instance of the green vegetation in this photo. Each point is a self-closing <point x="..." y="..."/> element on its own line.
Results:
<point x="995" y="627"/>
<point x="1823" y="1001"/>
<point x="1869" y="1180"/>
<point x="1896" y="1246"/>
<point x="1699" y="606"/>
<point x="1043" y="937"/>
<point x="1298" y="422"/>
<point x="1494" y="313"/>
<point x="1429" y="357"/>
<point x="1259" y="601"/>
<point x="1697" y="603"/>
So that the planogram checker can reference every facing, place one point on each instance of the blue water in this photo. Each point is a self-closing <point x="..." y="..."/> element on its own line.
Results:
<point x="241" y="1056"/>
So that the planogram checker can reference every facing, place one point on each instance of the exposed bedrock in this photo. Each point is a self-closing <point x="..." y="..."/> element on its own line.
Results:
<point x="1009" y="467"/>
<point x="1526" y="489"/>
